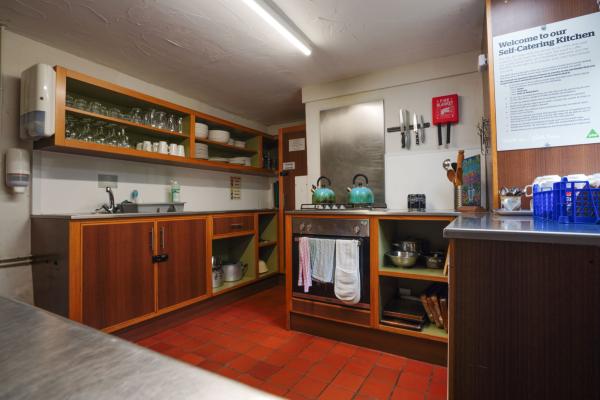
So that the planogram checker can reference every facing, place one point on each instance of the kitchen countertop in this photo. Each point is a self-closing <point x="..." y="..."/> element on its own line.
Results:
<point x="378" y="212"/>
<point x="44" y="356"/>
<point x="77" y="216"/>
<point x="487" y="226"/>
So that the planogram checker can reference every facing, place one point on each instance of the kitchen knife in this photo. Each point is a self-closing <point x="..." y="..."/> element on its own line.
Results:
<point x="402" y="128"/>
<point x="422" y="129"/>
<point x="439" y="135"/>
<point x="416" y="129"/>
<point x="448" y="134"/>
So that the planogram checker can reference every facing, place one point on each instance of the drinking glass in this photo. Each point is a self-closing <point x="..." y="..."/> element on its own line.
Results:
<point x="81" y="104"/>
<point x="171" y="124"/>
<point x="160" y="120"/>
<point x="114" y="112"/>
<point x="180" y="124"/>
<point x="96" y="107"/>
<point x="69" y="100"/>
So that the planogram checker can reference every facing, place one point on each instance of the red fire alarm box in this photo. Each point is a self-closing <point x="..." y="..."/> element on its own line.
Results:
<point x="445" y="109"/>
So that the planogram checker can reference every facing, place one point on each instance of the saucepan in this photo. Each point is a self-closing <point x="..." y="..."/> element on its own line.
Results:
<point x="234" y="271"/>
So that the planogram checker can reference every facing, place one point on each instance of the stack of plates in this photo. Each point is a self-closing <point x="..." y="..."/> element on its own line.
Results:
<point x="201" y="150"/>
<point x="239" y="143"/>
<point x="220" y="159"/>
<point x="201" y="130"/>
<point x="240" y="160"/>
<point x="219" y="136"/>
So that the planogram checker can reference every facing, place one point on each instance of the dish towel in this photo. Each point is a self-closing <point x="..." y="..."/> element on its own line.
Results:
<point x="347" y="271"/>
<point x="304" y="274"/>
<point x="321" y="259"/>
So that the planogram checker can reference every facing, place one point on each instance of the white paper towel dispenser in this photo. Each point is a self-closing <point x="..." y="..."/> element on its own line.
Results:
<point x="38" y="85"/>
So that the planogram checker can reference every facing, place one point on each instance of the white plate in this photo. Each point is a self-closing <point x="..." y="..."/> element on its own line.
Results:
<point x="239" y="143"/>
<point x="217" y="135"/>
<point x="201" y="130"/>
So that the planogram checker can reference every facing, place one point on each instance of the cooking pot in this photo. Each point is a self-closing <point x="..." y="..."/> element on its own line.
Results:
<point x="322" y="194"/>
<point x="359" y="194"/>
<point x="234" y="271"/>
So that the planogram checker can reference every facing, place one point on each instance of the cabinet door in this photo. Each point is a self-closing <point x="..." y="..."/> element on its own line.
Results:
<point x="118" y="272"/>
<point x="183" y="276"/>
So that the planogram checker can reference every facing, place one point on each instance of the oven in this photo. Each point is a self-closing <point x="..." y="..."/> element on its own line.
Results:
<point x="332" y="228"/>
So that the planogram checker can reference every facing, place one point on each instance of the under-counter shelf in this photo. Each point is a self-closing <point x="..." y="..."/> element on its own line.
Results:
<point x="417" y="272"/>
<point x="429" y="332"/>
<point x="227" y="286"/>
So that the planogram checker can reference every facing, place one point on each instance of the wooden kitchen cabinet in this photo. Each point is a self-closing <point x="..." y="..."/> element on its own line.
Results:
<point x="182" y="276"/>
<point x="117" y="276"/>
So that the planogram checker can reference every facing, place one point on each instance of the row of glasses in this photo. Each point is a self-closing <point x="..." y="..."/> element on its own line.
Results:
<point x="152" y="117"/>
<point x="96" y="131"/>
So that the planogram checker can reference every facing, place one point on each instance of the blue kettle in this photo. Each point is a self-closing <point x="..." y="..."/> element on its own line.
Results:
<point x="359" y="194"/>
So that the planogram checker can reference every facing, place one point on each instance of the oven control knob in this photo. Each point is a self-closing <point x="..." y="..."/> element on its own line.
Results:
<point x="356" y="229"/>
<point x="308" y="227"/>
<point x="301" y="227"/>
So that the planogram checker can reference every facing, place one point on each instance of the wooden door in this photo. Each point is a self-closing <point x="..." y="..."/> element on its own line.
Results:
<point x="117" y="272"/>
<point x="287" y="178"/>
<point x="183" y="276"/>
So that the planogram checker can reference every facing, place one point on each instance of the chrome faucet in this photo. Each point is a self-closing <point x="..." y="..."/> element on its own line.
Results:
<point x="110" y="208"/>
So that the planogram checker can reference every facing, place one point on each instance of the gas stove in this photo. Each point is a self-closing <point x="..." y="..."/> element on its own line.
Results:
<point x="343" y="207"/>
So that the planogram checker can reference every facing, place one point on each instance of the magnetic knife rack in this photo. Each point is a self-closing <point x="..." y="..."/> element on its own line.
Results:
<point x="409" y="127"/>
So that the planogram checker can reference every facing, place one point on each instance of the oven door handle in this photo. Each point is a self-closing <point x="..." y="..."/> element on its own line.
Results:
<point x="360" y="239"/>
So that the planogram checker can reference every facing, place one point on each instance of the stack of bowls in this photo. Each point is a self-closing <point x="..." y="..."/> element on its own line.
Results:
<point x="201" y="130"/>
<point x="239" y="143"/>
<point x="201" y="150"/>
<point x="217" y="135"/>
<point x="240" y="160"/>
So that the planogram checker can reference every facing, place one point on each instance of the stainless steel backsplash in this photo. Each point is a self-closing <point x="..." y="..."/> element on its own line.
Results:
<point x="352" y="142"/>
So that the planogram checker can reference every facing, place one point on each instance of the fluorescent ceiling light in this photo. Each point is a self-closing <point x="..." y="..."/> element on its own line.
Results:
<point x="279" y="24"/>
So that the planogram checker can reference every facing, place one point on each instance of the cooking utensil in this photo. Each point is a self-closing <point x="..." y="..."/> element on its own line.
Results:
<point x="410" y="245"/>
<point x="447" y="164"/>
<point x="403" y="259"/>
<point x="322" y="194"/>
<point x="448" y="134"/>
<point x="435" y="260"/>
<point x="416" y="129"/>
<point x="262" y="267"/>
<point x="217" y="276"/>
<point x="403" y="128"/>
<point x="451" y="175"/>
<point x="459" y="171"/>
<point x="233" y="272"/>
<point x="422" y="129"/>
<point x="359" y="194"/>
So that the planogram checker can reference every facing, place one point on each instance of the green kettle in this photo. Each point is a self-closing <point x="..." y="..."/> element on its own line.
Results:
<point x="359" y="194"/>
<point x="322" y="194"/>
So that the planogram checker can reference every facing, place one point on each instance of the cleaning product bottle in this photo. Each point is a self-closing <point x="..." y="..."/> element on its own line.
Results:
<point x="175" y="192"/>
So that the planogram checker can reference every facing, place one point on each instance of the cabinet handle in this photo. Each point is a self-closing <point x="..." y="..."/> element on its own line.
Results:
<point x="152" y="240"/>
<point x="237" y="226"/>
<point x="162" y="237"/>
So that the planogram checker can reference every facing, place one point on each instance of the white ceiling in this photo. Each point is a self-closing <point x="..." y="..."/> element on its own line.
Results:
<point x="220" y="52"/>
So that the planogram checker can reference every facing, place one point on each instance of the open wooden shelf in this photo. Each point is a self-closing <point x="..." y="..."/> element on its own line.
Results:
<point x="227" y="286"/>
<point x="233" y="235"/>
<point x="121" y="121"/>
<point x="267" y="275"/>
<point x="429" y="332"/>
<point x="227" y="147"/>
<point x="416" y="272"/>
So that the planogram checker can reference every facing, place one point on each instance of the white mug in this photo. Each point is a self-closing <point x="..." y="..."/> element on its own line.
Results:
<point x="181" y="150"/>
<point x="147" y="146"/>
<point x="139" y="146"/>
<point x="163" y="147"/>
<point x="173" y="149"/>
<point x="155" y="147"/>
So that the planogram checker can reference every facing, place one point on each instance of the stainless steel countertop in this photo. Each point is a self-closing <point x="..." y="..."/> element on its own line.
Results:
<point x="44" y="356"/>
<point x="77" y="216"/>
<point x="487" y="226"/>
<point x="381" y="212"/>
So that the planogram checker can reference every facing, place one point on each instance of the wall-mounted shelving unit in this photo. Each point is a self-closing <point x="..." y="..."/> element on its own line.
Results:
<point x="71" y="83"/>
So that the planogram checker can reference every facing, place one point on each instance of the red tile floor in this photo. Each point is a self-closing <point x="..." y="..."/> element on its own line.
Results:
<point x="247" y="341"/>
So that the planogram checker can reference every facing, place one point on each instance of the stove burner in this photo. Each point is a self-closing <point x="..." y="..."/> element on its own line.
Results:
<point x="341" y="207"/>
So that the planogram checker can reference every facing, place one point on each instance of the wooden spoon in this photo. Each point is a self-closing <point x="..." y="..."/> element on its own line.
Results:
<point x="451" y="176"/>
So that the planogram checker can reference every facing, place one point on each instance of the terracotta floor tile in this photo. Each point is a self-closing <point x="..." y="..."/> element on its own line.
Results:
<point x="384" y="374"/>
<point x="344" y="349"/>
<point x="175" y="339"/>
<point x="174" y="352"/>
<point x="322" y="372"/>
<point x="280" y="358"/>
<point x="147" y="342"/>
<point x="262" y="370"/>
<point x="164" y="334"/>
<point x="259" y="352"/>
<point x="228" y="372"/>
<point x="348" y="381"/>
<point x="438" y="389"/>
<point x="418" y="367"/>
<point x="208" y="349"/>
<point x="296" y="396"/>
<point x="309" y="387"/>
<point x="405" y="394"/>
<point x="301" y="365"/>
<point x="223" y="356"/>
<point x="367" y="355"/>
<point x="210" y="365"/>
<point x="272" y="388"/>
<point x="161" y="347"/>
<point x="391" y="361"/>
<point x="336" y="393"/>
<point x="336" y="361"/>
<point x="358" y="367"/>
<point x="412" y="381"/>
<point x="273" y="342"/>
<point x="241" y="346"/>
<point x="311" y="354"/>
<point x="249" y="380"/>
<point x="440" y="374"/>
<point x="284" y="377"/>
<point x="376" y="389"/>
<point x="243" y="363"/>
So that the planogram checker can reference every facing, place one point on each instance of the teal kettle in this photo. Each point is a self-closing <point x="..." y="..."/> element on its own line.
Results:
<point x="322" y="194"/>
<point x="359" y="194"/>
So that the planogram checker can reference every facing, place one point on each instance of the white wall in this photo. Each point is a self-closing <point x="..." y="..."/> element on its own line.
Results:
<point x="68" y="183"/>
<point x="419" y="169"/>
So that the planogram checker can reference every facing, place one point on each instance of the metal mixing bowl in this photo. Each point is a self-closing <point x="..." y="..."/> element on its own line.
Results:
<point x="404" y="259"/>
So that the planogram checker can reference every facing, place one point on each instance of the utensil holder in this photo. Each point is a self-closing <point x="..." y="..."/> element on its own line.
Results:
<point x="458" y="199"/>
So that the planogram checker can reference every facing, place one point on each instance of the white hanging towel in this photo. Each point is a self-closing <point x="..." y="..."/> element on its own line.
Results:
<point x="321" y="259"/>
<point x="347" y="271"/>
